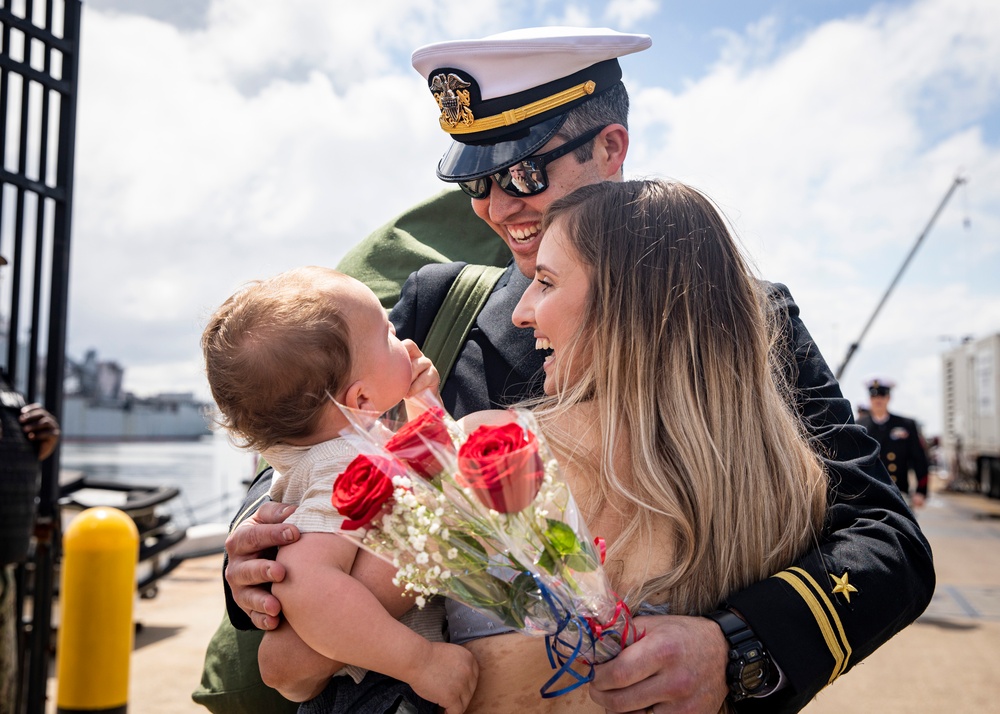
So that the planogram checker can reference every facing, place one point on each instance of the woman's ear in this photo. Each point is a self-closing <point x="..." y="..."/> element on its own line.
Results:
<point x="610" y="148"/>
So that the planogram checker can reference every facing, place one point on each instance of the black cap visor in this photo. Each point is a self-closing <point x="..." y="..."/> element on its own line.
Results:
<point x="464" y="162"/>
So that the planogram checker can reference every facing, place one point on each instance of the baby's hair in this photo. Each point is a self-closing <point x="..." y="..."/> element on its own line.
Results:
<point x="275" y="352"/>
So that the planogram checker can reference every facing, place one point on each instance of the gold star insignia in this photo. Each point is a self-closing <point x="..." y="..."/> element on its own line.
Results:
<point x="842" y="586"/>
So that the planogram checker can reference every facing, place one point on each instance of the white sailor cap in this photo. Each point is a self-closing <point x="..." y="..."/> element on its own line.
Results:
<point x="879" y="385"/>
<point x="505" y="96"/>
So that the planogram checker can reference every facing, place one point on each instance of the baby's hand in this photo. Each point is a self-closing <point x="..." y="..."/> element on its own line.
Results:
<point x="424" y="374"/>
<point x="448" y="678"/>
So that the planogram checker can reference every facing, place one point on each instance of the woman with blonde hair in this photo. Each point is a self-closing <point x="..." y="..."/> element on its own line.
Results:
<point x="667" y="404"/>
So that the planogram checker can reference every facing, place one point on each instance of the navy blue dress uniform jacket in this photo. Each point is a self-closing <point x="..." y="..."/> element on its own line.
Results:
<point x="499" y="365"/>
<point x="873" y="572"/>
<point x="901" y="450"/>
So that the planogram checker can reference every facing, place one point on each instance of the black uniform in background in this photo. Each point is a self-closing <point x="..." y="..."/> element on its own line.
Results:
<point x="902" y="450"/>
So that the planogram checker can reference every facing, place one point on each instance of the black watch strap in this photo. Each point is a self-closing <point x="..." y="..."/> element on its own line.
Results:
<point x="749" y="671"/>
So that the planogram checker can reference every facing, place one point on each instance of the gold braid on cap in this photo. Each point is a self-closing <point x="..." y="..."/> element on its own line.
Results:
<point x="456" y="117"/>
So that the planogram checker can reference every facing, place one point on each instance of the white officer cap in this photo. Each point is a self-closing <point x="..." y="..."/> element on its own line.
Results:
<point x="877" y="383"/>
<point x="505" y="96"/>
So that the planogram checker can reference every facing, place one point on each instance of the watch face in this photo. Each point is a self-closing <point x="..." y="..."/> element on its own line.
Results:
<point x="753" y="675"/>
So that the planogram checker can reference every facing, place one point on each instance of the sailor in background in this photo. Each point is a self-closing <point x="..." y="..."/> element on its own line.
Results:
<point x="902" y="446"/>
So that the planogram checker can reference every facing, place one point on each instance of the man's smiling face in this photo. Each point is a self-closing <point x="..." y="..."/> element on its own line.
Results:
<point x="517" y="220"/>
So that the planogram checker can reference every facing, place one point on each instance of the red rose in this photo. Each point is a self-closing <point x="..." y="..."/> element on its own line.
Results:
<point x="362" y="490"/>
<point x="410" y="443"/>
<point x="502" y="465"/>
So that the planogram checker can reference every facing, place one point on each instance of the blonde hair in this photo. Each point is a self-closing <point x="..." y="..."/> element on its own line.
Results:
<point x="685" y="370"/>
<point x="274" y="351"/>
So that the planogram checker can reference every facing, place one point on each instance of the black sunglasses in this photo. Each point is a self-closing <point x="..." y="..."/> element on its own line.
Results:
<point x="878" y="391"/>
<point x="526" y="177"/>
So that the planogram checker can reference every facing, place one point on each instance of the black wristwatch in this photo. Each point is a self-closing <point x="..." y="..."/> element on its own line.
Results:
<point x="749" y="672"/>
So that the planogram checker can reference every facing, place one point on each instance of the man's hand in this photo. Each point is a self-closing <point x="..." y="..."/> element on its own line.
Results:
<point x="678" y="666"/>
<point x="424" y="374"/>
<point x="250" y="572"/>
<point x="918" y="500"/>
<point x="40" y="427"/>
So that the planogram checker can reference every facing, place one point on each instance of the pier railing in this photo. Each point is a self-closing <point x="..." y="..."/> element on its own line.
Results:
<point x="39" y="59"/>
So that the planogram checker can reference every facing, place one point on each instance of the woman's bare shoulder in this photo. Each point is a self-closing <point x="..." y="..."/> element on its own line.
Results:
<point x="489" y="417"/>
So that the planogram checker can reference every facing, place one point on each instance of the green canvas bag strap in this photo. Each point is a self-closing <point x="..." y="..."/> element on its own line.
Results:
<point x="457" y="314"/>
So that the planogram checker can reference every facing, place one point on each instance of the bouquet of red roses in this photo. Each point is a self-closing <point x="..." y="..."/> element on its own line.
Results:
<point x="486" y="519"/>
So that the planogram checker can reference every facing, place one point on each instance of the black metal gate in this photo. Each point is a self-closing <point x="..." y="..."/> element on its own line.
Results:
<point x="39" y="60"/>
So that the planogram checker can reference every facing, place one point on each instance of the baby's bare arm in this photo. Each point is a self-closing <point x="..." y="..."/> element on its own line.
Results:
<point x="338" y="616"/>
<point x="376" y="575"/>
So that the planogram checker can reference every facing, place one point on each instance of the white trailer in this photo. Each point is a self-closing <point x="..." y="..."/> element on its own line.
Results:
<point x="971" y="402"/>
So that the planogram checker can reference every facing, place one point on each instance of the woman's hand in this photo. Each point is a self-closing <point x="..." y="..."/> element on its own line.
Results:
<point x="250" y="570"/>
<point x="680" y="662"/>
<point x="448" y="677"/>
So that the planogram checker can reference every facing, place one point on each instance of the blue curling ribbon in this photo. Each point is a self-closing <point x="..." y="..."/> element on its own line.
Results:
<point x="559" y="662"/>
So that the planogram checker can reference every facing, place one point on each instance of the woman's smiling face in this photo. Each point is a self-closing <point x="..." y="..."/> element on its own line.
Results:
<point x="554" y="305"/>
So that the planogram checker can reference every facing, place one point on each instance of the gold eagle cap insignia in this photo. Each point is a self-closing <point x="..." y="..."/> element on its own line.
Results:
<point x="452" y="95"/>
<point x="843" y="587"/>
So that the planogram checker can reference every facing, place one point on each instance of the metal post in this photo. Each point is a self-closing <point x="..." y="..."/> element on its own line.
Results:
<point x="959" y="180"/>
<point x="96" y="596"/>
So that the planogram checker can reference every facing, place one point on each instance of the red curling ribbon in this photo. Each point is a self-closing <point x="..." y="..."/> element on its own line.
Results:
<point x="598" y="629"/>
<point x="599" y="542"/>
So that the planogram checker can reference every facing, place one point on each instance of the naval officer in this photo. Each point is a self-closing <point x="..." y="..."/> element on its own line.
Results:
<point x="902" y="448"/>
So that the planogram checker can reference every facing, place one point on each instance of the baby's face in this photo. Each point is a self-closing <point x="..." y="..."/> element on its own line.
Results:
<point x="379" y="358"/>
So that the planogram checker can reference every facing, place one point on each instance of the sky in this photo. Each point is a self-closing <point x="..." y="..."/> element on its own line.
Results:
<point x="220" y="141"/>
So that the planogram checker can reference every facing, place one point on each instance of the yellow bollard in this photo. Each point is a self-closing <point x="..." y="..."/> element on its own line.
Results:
<point x="100" y="549"/>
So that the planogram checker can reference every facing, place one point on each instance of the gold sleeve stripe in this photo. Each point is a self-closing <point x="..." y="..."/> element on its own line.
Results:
<point x="822" y="619"/>
<point x="834" y="618"/>
<point x="518" y="114"/>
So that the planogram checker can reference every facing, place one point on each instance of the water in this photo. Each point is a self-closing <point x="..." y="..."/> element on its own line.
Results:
<point x="210" y="472"/>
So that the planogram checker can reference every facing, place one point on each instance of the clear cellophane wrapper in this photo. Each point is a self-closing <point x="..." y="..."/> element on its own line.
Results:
<point x="487" y="519"/>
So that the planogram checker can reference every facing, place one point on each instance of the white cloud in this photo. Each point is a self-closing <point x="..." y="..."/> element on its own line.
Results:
<point x="830" y="155"/>
<point x="629" y="14"/>
<point x="187" y="186"/>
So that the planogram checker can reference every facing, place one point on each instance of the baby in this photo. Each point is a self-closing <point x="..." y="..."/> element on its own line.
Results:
<point x="276" y="352"/>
